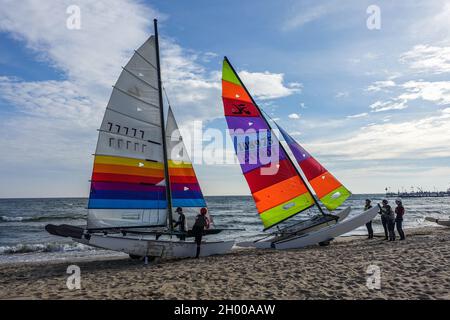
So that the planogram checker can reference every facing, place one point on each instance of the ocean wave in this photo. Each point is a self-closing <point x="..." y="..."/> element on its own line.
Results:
<point x="41" y="218"/>
<point x="44" y="247"/>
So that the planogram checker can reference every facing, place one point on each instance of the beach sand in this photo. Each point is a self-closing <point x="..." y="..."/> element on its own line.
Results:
<point x="418" y="268"/>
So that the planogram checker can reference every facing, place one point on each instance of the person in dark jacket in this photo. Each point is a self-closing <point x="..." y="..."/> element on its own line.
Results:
<point x="387" y="220"/>
<point x="369" y="224"/>
<point x="181" y="223"/>
<point x="201" y="223"/>
<point x="399" y="212"/>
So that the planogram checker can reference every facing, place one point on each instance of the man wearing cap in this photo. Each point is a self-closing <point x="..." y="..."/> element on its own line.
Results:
<point x="181" y="223"/>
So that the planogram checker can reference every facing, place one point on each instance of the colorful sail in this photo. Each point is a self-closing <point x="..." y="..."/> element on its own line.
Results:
<point x="277" y="189"/>
<point x="186" y="191"/>
<point x="327" y="188"/>
<point x="128" y="185"/>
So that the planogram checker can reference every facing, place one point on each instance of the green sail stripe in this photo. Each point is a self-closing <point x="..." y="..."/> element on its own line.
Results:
<point x="228" y="74"/>
<point x="280" y="212"/>
<point x="335" y="198"/>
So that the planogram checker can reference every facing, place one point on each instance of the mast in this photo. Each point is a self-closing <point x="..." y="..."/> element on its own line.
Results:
<point x="281" y="146"/>
<point x="163" y="129"/>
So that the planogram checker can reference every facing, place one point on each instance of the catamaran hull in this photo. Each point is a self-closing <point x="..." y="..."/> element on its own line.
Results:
<point x="156" y="248"/>
<point x="296" y="230"/>
<point x="445" y="223"/>
<point x="328" y="233"/>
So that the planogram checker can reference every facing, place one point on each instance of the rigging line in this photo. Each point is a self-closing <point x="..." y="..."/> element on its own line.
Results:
<point x="167" y="97"/>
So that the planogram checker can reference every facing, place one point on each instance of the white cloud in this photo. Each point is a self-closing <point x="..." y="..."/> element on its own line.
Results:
<point x="380" y="85"/>
<point x="304" y="16"/>
<point x="342" y="94"/>
<point x="380" y="106"/>
<point x="415" y="139"/>
<point x="294" y="116"/>
<point x="266" y="85"/>
<point x="428" y="59"/>
<point x="359" y="115"/>
<point x="435" y="91"/>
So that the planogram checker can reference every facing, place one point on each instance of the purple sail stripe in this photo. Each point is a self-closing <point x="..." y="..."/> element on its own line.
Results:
<point x="119" y="186"/>
<point x="185" y="187"/>
<point x="299" y="153"/>
<point x="127" y="195"/>
<point x="247" y="165"/>
<point x="246" y="123"/>
<point x="187" y="194"/>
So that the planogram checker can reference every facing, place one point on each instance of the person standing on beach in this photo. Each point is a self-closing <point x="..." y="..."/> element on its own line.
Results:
<point x="181" y="223"/>
<point x="201" y="223"/>
<point x="399" y="212"/>
<point x="386" y="213"/>
<point x="369" y="224"/>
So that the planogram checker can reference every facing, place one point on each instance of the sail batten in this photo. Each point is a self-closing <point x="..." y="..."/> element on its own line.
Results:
<point x="278" y="190"/>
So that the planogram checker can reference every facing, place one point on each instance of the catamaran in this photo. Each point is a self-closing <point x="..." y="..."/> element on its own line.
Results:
<point x="278" y="187"/>
<point x="141" y="171"/>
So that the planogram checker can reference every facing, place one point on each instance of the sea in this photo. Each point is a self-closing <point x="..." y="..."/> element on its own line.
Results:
<point x="24" y="239"/>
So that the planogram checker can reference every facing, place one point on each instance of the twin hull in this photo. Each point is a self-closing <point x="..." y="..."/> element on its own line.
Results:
<point x="156" y="248"/>
<point x="328" y="233"/>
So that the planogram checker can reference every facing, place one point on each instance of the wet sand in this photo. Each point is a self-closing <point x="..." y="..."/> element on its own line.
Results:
<point x="418" y="268"/>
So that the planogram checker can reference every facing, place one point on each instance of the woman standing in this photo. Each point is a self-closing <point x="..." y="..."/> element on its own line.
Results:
<point x="399" y="212"/>
<point x="369" y="224"/>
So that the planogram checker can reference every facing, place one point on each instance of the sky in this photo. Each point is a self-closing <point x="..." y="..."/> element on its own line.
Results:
<point x="371" y="104"/>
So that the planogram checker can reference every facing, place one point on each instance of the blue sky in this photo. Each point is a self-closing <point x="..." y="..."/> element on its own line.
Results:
<point x="372" y="105"/>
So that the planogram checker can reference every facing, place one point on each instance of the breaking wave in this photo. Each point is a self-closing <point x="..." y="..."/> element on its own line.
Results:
<point x="44" y="247"/>
<point x="37" y="219"/>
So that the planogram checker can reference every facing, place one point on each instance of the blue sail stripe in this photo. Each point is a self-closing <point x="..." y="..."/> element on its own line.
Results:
<point x="188" y="203"/>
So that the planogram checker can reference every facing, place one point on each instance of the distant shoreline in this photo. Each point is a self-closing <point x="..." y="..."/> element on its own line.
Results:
<point x="206" y="196"/>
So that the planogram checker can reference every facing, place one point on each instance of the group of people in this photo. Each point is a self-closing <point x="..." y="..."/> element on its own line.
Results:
<point x="390" y="219"/>
<point x="201" y="223"/>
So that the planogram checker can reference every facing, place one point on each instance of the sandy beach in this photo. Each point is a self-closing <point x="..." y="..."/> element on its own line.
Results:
<point x="418" y="268"/>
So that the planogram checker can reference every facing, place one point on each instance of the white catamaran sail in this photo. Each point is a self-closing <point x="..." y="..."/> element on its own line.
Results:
<point x="128" y="183"/>
<point x="138" y="175"/>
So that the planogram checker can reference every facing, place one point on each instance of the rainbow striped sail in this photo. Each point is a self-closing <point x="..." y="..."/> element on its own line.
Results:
<point x="128" y="184"/>
<point x="327" y="188"/>
<point x="278" y="190"/>
<point x="186" y="191"/>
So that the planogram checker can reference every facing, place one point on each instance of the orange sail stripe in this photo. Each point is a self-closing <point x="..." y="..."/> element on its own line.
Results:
<point x="234" y="91"/>
<point x="182" y="172"/>
<point x="324" y="184"/>
<point x="278" y="193"/>
<point x="128" y="170"/>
